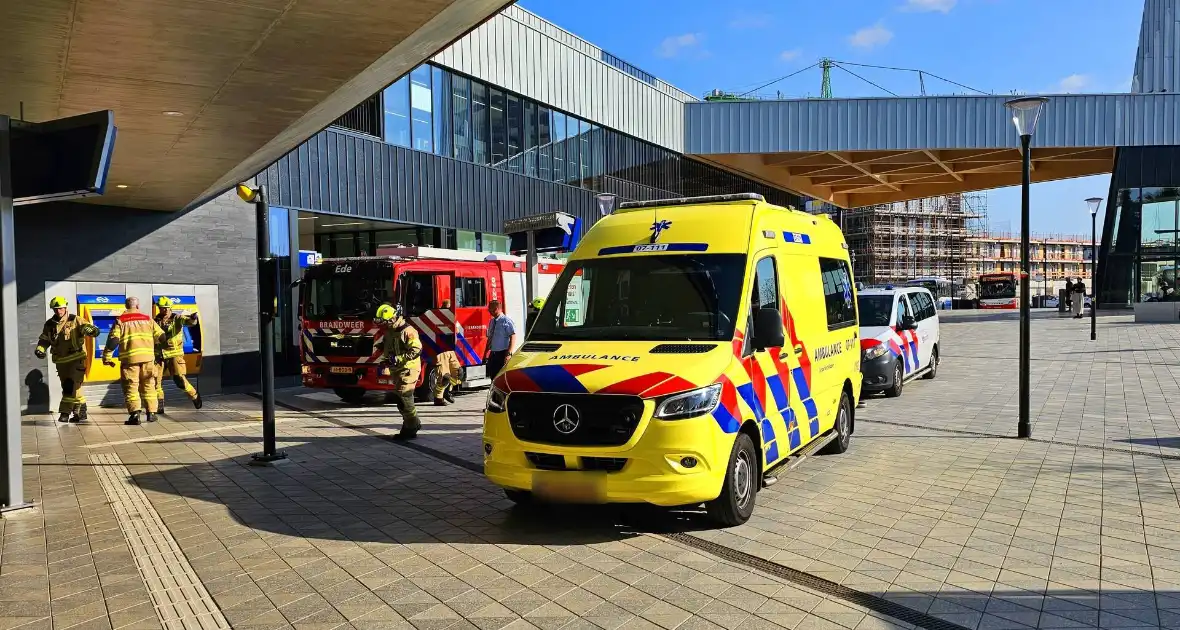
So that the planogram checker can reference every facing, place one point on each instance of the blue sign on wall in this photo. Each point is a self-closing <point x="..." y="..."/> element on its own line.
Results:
<point x="179" y="300"/>
<point x="105" y="300"/>
<point x="308" y="258"/>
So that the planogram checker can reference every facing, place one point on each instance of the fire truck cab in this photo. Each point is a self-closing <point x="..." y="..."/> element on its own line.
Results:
<point x="444" y="294"/>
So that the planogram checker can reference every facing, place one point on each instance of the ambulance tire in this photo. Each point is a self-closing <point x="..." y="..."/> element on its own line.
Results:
<point x="933" y="373"/>
<point x="523" y="498"/>
<point x="350" y="395"/>
<point x="898" y="381"/>
<point x="742" y="479"/>
<point x="843" y="428"/>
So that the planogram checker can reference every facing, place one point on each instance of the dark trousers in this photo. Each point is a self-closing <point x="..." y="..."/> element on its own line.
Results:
<point x="496" y="361"/>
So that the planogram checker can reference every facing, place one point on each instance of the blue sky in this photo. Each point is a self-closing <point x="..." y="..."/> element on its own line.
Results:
<point x="999" y="46"/>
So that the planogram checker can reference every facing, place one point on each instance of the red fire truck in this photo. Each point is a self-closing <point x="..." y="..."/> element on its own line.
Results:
<point x="444" y="294"/>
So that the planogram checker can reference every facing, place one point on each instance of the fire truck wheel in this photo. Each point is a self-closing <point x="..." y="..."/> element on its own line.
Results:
<point x="350" y="395"/>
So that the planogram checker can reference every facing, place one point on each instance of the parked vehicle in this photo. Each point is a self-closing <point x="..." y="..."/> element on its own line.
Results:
<point x="998" y="290"/>
<point x="899" y="338"/>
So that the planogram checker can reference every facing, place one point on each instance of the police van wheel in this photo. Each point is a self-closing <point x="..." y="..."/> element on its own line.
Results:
<point x="898" y="377"/>
<point x="843" y="427"/>
<point x="350" y="395"/>
<point x="933" y="373"/>
<point x="736" y="503"/>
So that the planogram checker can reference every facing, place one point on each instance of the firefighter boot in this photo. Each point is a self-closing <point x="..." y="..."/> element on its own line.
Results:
<point x="63" y="417"/>
<point x="440" y="402"/>
<point x="133" y="419"/>
<point x="449" y="395"/>
<point x="159" y="407"/>
<point x="151" y="417"/>
<point x="82" y="415"/>
<point x="196" y="402"/>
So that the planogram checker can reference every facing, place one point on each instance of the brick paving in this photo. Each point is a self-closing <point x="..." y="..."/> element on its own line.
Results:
<point x="934" y="508"/>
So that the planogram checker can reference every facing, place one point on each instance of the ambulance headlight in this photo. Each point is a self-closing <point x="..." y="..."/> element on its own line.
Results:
<point x="689" y="404"/>
<point x="875" y="351"/>
<point x="496" y="399"/>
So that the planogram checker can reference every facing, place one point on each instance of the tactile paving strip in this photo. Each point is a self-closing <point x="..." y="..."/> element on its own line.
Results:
<point x="181" y="600"/>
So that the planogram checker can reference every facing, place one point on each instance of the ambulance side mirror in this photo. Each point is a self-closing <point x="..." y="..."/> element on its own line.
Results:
<point x="768" y="329"/>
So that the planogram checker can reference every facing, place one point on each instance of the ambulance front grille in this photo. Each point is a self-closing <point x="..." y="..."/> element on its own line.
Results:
<point x="601" y="420"/>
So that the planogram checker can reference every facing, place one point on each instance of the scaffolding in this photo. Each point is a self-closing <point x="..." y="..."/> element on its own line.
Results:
<point x="899" y="241"/>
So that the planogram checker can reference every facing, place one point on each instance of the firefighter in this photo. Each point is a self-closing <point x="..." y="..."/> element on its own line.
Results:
<point x="448" y="375"/>
<point x="170" y="352"/>
<point x="64" y="337"/>
<point x="136" y="336"/>
<point x="401" y="351"/>
<point x="534" y="310"/>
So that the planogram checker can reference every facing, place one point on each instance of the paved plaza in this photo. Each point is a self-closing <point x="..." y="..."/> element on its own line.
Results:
<point x="936" y="517"/>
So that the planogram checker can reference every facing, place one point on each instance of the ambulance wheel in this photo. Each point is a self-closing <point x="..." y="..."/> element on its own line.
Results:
<point x="933" y="373"/>
<point x="350" y="395"/>
<point x="522" y="498"/>
<point x="898" y="377"/>
<point x="843" y="427"/>
<point x="736" y="503"/>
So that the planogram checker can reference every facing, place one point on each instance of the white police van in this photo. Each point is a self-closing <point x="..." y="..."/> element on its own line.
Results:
<point x="899" y="337"/>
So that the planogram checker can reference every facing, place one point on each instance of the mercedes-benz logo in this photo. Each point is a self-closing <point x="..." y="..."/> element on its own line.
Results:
<point x="566" y="419"/>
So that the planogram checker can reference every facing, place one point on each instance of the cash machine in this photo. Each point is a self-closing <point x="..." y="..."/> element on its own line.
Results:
<point x="102" y="311"/>
<point x="183" y="306"/>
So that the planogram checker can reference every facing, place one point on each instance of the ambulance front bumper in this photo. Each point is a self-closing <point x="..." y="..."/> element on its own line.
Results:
<point x="666" y="463"/>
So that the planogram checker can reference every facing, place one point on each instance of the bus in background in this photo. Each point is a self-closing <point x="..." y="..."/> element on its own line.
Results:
<point x="938" y="287"/>
<point x="998" y="290"/>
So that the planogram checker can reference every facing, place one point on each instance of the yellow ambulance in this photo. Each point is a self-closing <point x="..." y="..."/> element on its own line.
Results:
<point x="689" y="349"/>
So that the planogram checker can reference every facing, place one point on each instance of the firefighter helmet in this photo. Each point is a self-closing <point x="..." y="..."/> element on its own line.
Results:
<point x="539" y="303"/>
<point x="387" y="313"/>
<point x="58" y="302"/>
<point x="164" y="302"/>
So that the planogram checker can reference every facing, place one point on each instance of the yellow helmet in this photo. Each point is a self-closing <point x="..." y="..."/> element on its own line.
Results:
<point x="387" y="313"/>
<point x="539" y="303"/>
<point x="164" y="302"/>
<point x="58" y="302"/>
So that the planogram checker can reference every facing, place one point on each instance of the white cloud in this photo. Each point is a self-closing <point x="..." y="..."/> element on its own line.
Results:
<point x="676" y="45"/>
<point x="926" y="6"/>
<point x="790" y="55"/>
<point x="1074" y="83"/>
<point x="751" y="20"/>
<point x="871" y="36"/>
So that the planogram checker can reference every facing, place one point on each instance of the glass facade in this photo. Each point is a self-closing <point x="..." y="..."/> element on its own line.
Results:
<point x="1145" y="245"/>
<point x="442" y="112"/>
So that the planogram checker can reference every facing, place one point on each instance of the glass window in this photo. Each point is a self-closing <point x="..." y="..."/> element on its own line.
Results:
<point x="837" y="282"/>
<point x="544" y="142"/>
<point x="466" y="240"/>
<point x="558" y="146"/>
<point x="495" y="243"/>
<point x="442" y="110"/>
<point x="461" y="117"/>
<point x="515" y="133"/>
<point x="417" y="292"/>
<point x="397" y="112"/>
<point x="499" y="132"/>
<point x="470" y="292"/>
<point x="903" y="310"/>
<point x="479" y="122"/>
<point x="530" y="138"/>
<point x="765" y="293"/>
<point x="421" y="106"/>
<point x="875" y="310"/>
<point x="584" y="140"/>
<point x="572" y="145"/>
<point x="1158" y="225"/>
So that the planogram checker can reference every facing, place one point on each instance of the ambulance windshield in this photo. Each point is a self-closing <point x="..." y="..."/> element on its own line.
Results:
<point x="644" y="298"/>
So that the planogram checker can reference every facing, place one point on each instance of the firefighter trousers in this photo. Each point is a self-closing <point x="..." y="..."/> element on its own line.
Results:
<point x="403" y="397"/>
<point x="139" y="380"/>
<point x="447" y="374"/>
<point x="178" y="369"/>
<point x="71" y="375"/>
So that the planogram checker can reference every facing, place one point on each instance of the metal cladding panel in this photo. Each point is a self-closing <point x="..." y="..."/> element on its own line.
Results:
<point x="1157" y="62"/>
<point x="522" y="53"/>
<point x="950" y="122"/>
<point x="367" y="178"/>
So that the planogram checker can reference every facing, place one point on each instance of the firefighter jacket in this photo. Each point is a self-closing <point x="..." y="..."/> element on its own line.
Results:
<point x="65" y="338"/>
<point x="402" y="348"/>
<point x="135" y="335"/>
<point x="172" y="346"/>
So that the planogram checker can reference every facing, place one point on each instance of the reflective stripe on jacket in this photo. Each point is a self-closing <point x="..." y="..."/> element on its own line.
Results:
<point x="135" y="335"/>
<point x="65" y="339"/>
<point x="403" y="348"/>
<point x="172" y="345"/>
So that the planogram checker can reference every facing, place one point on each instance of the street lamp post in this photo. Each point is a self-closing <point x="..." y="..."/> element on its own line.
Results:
<point x="1093" y="202"/>
<point x="1025" y="112"/>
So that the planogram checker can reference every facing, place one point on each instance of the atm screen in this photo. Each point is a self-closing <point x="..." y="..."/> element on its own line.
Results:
<point x="104" y="325"/>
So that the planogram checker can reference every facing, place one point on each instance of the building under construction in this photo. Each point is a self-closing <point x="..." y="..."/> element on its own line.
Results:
<point x="894" y="242"/>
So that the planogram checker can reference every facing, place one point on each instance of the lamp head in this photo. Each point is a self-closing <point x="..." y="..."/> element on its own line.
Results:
<point x="249" y="195"/>
<point x="1025" y="112"/>
<point x="1093" y="203"/>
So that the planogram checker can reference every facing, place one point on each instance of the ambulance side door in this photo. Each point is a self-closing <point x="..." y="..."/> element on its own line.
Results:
<point x="767" y="393"/>
<point x="840" y="349"/>
<point x="807" y="330"/>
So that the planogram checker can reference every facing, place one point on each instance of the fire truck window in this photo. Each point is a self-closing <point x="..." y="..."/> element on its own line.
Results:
<point x="418" y="294"/>
<point x="469" y="292"/>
